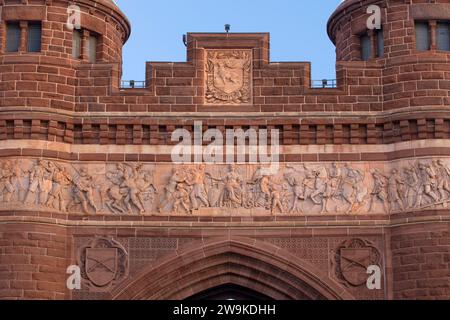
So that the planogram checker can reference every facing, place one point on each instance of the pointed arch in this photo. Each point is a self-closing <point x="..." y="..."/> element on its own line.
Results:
<point x="245" y="262"/>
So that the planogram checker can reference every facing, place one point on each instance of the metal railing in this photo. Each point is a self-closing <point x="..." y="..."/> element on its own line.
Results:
<point x="324" y="84"/>
<point x="318" y="84"/>
<point x="132" y="84"/>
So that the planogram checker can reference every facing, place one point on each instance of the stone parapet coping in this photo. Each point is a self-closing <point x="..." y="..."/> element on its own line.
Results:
<point x="239" y="115"/>
<point x="166" y="150"/>
<point x="394" y="221"/>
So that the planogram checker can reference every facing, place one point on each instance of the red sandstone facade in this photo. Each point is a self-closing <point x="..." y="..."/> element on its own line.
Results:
<point x="385" y="112"/>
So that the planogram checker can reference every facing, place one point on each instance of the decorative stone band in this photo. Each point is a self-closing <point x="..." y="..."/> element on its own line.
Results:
<point x="162" y="154"/>
<point x="162" y="189"/>
<point x="62" y="147"/>
<point x="296" y="128"/>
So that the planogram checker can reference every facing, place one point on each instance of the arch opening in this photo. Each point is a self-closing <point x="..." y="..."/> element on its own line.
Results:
<point x="229" y="292"/>
<point x="240" y="268"/>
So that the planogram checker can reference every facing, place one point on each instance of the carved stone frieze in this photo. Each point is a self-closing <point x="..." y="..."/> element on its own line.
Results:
<point x="166" y="189"/>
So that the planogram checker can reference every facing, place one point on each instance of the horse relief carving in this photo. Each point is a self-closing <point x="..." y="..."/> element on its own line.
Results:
<point x="200" y="189"/>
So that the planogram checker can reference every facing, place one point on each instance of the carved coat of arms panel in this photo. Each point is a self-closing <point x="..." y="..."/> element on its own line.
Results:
<point x="228" y="77"/>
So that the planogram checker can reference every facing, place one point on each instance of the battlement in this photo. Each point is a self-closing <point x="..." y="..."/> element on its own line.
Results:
<point x="395" y="76"/>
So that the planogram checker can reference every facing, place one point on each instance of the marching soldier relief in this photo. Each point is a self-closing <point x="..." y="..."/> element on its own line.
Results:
<point x="308" y="188"/>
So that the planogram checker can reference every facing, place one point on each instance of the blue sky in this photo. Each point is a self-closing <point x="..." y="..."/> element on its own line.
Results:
<point x="297" y="29"/>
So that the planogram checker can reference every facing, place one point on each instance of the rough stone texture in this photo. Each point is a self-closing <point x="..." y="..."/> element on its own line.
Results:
<point x="33" y="261"/>
<point x="421" y="261"/>
<point x="384" y="114"/>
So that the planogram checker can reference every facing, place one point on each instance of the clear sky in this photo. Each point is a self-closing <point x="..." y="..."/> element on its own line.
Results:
<point x="297" y="29"/>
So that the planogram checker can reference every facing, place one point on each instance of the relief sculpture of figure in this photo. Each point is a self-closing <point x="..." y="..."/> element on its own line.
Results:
<point x="250" y="195"/>
<point x="353" y="190"/>
<point x="115" y="193"/>
<point x="196" y="179"/>
<point x="309" y="183"/>
<point x="18" y="180"/>
<point x="137" y="187"/>
<point x="395" y="186"/>
<point x="411" y="186"/>
<point x="379" y="190"/>
<point x="335" y="181"/>
<point x="7" y="176"/>
<point x="443" y="180"/>
<point x="48" y="182"/>
<point x="61" y="180"/>
<point x="295" y="180"/>
<point x="178" y="176"/>
<point x="181" y="198"/>
<point x="427" y="184"/>
<point x="132" y="191"/>
<point x="276" y="198"/>
<point x="147" y="188"/>
<point x="40" y="183"/>
<point x="214" y="190"/>
<point x="261" y="186"/>
<point x="321" y="187"/>
<point x="232" y="194"/>
<point x="84" y="191"/>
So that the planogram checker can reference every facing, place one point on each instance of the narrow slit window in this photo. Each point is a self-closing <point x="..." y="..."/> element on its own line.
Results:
<point x="366" y="47"/>
<point x="12" y="37"/>
<point x="92" y="44"/>
<point x="443" y="36"/>
<point x="380" y="44"/>
<point x="76" y="44"/>
<point x="34" y="36"/>
<point x="422" y="36"/>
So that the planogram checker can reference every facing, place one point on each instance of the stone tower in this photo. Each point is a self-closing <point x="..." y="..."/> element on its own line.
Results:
<point x="90" y="182"/>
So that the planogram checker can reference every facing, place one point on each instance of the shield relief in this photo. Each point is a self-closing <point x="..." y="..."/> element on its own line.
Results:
<point x="354" y="263"/>
<point x="228" y="77"/>
<point x="101" y="265"/>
